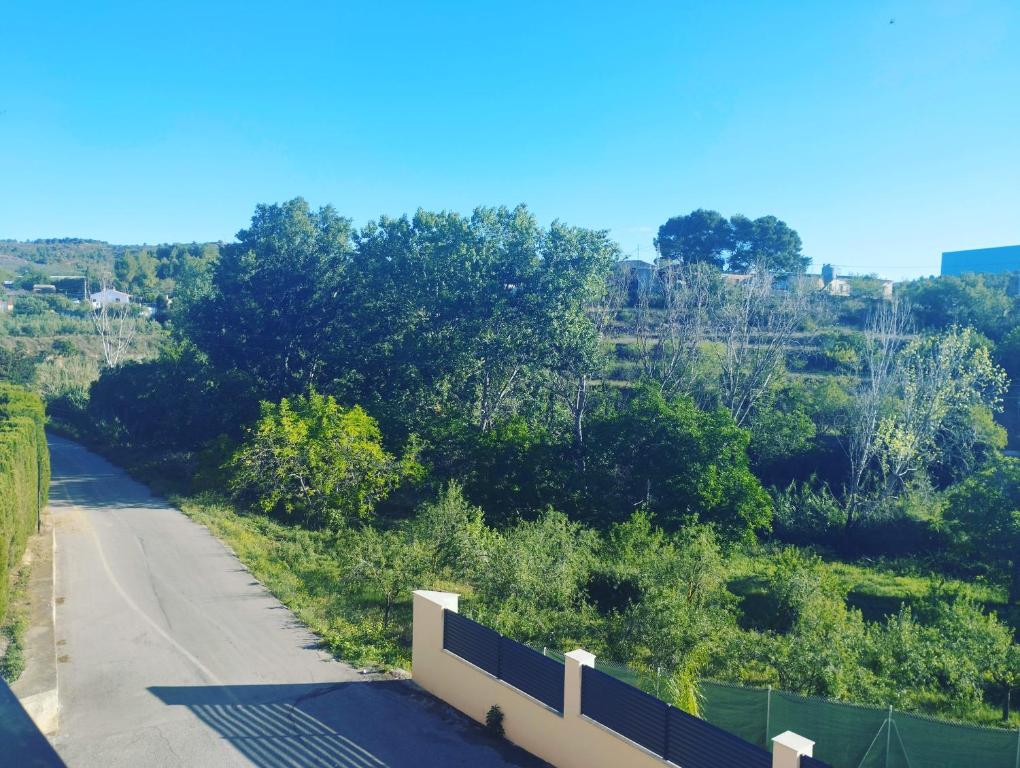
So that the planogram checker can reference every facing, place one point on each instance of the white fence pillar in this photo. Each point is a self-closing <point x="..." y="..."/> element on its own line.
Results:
<point x="573" y="662"/>
<point x="787" y="749"/>
<point x="427" y="638"/>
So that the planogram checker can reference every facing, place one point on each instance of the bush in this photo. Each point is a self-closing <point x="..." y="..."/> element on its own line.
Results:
<point x="494" y="722"/>
<point x="310" y="458"/>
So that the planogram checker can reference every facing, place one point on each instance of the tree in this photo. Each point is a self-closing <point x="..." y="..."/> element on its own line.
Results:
<point x="276" y="302"/>
<point x="765" y="244"/>
<point x="685" y="464"/>
<point x="670" y="342"/>
<point x="821" y="640"/>
<point x="532" y="587"/>
<point x="1007" y="353"/>
<point x="136" y="272"/>
<point x="469" y="317"/>
<point x="310" y="458"/>
<point x="942" y="380"/>
<point x="577" y="350"/>
<point x="116" y="326"/>
<point x="700" y="236"/>
<point x="876" y="383"/>
<point x="389" y="564"/>
<point x="975" y="300"/>
<point x="678" y="610"/>
<point x="16" y="365"/>
<point x="456" y="535"/>
<point x="984" y="518"/>
<point x="757" y="325"/>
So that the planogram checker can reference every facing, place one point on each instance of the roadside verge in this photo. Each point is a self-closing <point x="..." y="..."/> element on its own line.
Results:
<point x="37" y="686"/>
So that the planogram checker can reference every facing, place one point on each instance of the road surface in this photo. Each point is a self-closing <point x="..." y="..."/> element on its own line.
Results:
<point x="171" y="654"/>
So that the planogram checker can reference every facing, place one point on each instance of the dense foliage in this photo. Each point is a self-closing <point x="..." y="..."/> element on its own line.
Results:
<point x="24" y="476"/>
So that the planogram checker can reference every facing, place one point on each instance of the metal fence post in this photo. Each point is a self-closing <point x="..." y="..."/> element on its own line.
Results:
<point x="665" y="735"/>
<point x="768" y="713"/>
<point x="888" y="735"/>
<point x="1016" y="762"/>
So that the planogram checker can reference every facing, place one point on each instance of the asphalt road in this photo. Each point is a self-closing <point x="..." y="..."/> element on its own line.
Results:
<point x="171" y="654"/>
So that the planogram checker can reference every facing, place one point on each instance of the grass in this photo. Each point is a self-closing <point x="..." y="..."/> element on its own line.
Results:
<point x="878" y="588"/>
<point x="299" y="568"/>
<point x="12" y="662"/>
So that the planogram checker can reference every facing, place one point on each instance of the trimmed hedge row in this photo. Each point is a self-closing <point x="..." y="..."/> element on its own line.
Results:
<point x="24" y="476"/>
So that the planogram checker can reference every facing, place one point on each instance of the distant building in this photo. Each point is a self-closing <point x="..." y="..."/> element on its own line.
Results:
<point x="837" y="286"/>
<point x="798" y="282"/>
<point x="109" y="296"/>
<point x="44" y="288"/>
<point x="9" y="285"/>
<point x="986" y="260"/>
<point x="638" y="278"/>
<point x="6" y="304"/>
<point x="735" y="278"/>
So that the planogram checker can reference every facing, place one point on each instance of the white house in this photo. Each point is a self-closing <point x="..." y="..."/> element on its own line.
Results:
<point x="109" y="296"/>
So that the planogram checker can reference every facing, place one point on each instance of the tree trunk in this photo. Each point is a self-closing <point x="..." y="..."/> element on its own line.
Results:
<point x="1005" y="704"/>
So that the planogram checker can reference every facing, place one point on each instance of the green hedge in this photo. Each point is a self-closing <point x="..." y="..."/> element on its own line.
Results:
<point x="24" y="476"/>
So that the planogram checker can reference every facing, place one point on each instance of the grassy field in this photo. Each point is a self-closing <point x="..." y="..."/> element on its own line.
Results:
<point x="878" y="588"/>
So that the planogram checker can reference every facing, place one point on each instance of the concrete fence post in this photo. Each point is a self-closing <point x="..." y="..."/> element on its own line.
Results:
<point x="572" y="663"/>
<point x="788" y="748"/>
<point x="427" y="636"/>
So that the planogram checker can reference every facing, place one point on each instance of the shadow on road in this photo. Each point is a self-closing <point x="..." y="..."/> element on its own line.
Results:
<point x="69" y="488"/>
<point x="378" y="724"/>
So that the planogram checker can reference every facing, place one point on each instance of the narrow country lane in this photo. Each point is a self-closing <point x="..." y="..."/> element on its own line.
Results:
<point x="171" y="654"/>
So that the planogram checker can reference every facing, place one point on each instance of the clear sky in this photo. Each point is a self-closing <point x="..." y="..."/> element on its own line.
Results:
<point x="884" y="132"/>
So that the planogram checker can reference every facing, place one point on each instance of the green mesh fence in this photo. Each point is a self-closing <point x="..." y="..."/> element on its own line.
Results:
<point x="850" y="736"/>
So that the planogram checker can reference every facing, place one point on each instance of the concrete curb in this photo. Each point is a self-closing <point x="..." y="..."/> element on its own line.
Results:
<point x="37" y="688"/>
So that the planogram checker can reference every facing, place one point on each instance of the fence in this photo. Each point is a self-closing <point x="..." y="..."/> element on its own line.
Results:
<point x="569" y="714"/>
<point x="525" y="669"/>
<point x="812" y="762"/>
<point x="853" y="736"/>
<point x="661" y="728"/>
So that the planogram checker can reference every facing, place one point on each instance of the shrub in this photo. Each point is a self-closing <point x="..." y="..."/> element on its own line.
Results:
<point x="494" y="722"/>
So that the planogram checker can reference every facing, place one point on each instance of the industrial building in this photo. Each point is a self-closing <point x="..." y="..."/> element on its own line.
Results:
<point x="986" y="260"/>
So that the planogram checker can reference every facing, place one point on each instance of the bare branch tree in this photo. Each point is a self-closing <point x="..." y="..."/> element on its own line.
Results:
<point x="757" y="324"/>
<point x="669" y="341"/>
<point x="581" y="359"/>
<point x="877" y="380"/>
<point x="116" y="327"/>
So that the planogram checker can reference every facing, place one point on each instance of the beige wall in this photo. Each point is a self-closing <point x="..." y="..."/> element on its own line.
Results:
<point x="570" y="740"/>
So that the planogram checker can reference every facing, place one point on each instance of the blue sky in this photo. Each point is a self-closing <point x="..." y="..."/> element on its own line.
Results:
<point x="882" y="143"/>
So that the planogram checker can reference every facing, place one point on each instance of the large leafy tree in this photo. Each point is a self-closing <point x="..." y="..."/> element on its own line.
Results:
<point x="766" y="244"/>
<point x="700" y="236"/>
<point x="463" y="317"/>
<point x="684" y="463"/>
<point x="276" y="304"/>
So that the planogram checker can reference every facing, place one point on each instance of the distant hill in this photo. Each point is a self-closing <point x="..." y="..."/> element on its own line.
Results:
<point x="58" y="254"/>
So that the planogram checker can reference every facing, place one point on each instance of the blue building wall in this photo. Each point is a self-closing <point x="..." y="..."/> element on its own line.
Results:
<point x="1004" y="259"/>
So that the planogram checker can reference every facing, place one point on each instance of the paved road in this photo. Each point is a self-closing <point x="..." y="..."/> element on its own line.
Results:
<point x="171" y="654"/>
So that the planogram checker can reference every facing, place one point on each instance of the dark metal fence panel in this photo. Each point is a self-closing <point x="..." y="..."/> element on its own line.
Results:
<point x="625" y="709"/>
<point x="528" y="670"/>
<point x="693" y="743"/>
<point x="471" y="641"/>
<point x="812" y="762"/>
